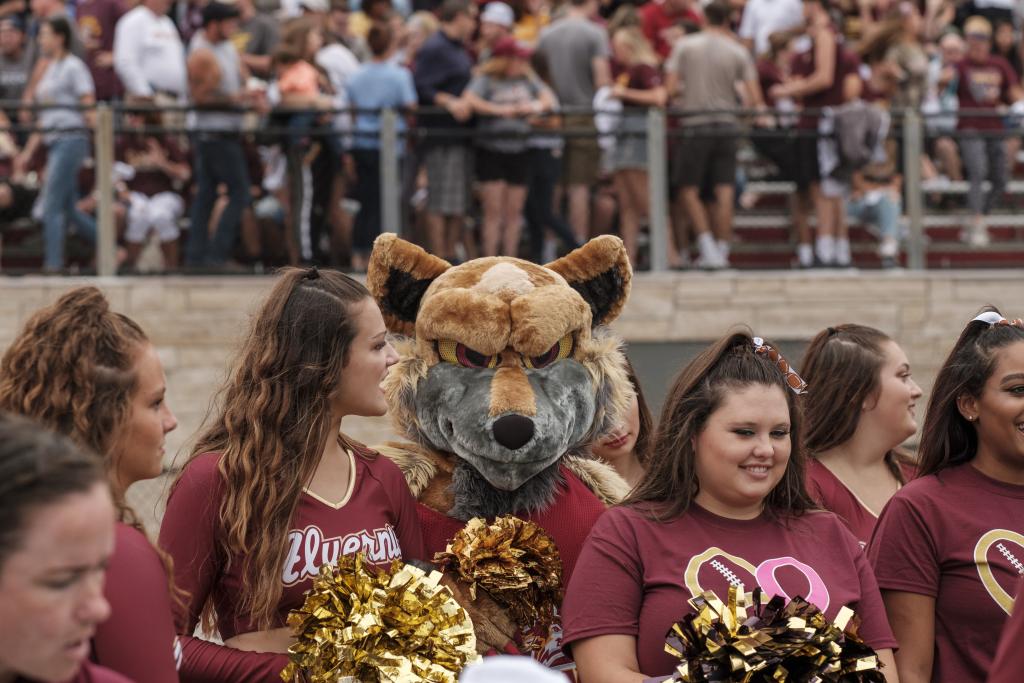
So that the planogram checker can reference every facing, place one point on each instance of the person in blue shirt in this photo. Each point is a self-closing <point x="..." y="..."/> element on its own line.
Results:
<point x="378" y="84"/>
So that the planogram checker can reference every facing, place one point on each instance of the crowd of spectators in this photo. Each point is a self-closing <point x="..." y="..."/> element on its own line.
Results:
<point x="253" y="125"/>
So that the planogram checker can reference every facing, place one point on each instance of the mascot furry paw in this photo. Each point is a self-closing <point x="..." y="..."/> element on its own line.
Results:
<point x="507" y="374"/>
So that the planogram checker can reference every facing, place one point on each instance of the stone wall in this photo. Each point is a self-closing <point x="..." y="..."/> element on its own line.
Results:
<point x="196" y="322"/>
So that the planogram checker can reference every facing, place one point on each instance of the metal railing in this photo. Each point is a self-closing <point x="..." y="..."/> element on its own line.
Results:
<point x="908" y="125"/>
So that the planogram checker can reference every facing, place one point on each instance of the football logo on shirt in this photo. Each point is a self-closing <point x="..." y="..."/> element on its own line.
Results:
<point x="308" y="550"/>
<point x="714" y="569"/>
<point x="1002" y="550"/>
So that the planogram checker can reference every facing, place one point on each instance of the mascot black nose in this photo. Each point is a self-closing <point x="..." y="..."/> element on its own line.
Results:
<point x="512" y="431"/>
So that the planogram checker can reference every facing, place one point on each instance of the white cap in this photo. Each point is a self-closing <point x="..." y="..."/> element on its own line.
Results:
<point x="314" y="5"/>
<point x="508" y="669"/>
<point x="499" y="13"/>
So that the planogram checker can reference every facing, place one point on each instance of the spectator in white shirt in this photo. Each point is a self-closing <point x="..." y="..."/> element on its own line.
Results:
<point x="149" y="56"/>
<point x="761" y="18"/>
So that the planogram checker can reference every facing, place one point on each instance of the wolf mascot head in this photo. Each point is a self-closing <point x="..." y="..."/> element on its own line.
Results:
<point x="506" y="371"/>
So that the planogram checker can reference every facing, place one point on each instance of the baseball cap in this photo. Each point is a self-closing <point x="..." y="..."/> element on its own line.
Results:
<point x="510" y="47"/>
<point x="219" y="11"/>
<point x="499" y="13"/>
<point x="315" y="5"/>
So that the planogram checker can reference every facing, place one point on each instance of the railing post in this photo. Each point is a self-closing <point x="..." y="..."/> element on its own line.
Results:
<point x="106" y="238"/>
<point x="390" y="186"/>
<point x="913" y="136"/>
<point x="657" y="186"/>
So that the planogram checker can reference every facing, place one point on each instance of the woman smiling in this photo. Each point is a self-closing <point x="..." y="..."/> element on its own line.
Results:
<point x="722" y="503"/>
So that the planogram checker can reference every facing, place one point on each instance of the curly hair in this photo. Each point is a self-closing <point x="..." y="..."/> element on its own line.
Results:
<point x="272" y="422"/>
<point x="72" y="370"/>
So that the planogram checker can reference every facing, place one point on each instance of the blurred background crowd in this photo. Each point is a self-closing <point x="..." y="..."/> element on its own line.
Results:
<point x="248" y="133"/>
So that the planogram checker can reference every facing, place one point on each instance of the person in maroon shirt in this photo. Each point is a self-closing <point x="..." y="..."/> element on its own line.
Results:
<point x="273" y="490"/>
<point x="154" y="192"/>
<point x="108" y="395"/>
<point x="662" y="21"/>
<point x="985" y="83"/>
<point x="824" y="76"/>
<point x="1009" y="661"/>
<point x="96" y="20"/>
<point x="637" y="83"/>
<point x="948" y="549"/>
<point x="56" y="537"/>
<point x="860" y="406"/>
<point x="722" y="504"/>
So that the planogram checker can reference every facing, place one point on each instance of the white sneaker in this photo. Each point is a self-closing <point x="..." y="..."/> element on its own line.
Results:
<point x="843" y="256"/>
<point x="805" y="255"/>
<point x="976" y="235"/>
<point x="710" y="257"/>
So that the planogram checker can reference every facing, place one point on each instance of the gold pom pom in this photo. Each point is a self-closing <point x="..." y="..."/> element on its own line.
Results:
<point x="379" y="626"/>
<point x="515" y="561"/>
<point x="778" y="643"/>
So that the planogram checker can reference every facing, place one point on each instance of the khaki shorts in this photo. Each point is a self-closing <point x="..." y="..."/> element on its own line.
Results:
<point x="581" y="160"/>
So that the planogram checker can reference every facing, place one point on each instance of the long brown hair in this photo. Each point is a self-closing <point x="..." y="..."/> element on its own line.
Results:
<point x="273" y="421"/>
<point x="72" y="369"/>
<point x="947" y="438"/>
<point x="670" y="484"/>
<point x="842" y="368"/>
<point x="642" y="448"/>
<point x="37" y="468"/>
<point x="294" y="39"/>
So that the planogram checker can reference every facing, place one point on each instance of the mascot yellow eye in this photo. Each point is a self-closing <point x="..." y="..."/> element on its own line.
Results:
<point x="563" y="349"/>
<point x="460" y="354"/>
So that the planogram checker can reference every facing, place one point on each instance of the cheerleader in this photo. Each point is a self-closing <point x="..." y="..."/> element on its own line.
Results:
<point x="948" y="548"/>
<point x="87" y="372"/>
<point x="628" y="446"/>
<point x="859" y="408"/>
<point x="722" y="503"/>
<point x="1010" y="657"/>
<point x="56" y="538"/>
<point x="273" y="489"/>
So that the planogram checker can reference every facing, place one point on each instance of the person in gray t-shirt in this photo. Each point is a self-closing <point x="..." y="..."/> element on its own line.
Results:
<point x="576" y="51"/>
<point x="66" y="81"/>
<point x="709" y="69"/>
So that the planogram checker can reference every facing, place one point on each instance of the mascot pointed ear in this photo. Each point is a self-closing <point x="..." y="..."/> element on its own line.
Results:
<point x="600" y="272"/>
<point x="398" y="274"/>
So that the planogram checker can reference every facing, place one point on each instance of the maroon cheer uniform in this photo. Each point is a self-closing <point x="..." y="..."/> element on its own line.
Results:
<point x="139" y="639"/>
<point x="378" y="518"/>
<point x="635" y="575"/>
<point x="956" y="536"/>
<point x="91" y="673"/>
<point x="831" y="494"/>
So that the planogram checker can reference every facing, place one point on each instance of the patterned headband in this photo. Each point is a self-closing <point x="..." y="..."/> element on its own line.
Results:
<point x="795" y="382"/>
<point x="993" y="318"/>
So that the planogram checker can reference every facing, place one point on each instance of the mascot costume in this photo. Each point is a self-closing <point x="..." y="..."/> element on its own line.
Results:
<point x="507" y="374"/>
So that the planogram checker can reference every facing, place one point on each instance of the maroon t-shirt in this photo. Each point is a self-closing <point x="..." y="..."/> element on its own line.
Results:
<point x="92" y="673"/>
<point x="96" y="22"/>
<point x="139" y="639"/>
<point x="654" y="19"/>
<point x="831" y="494"/>
<point x="768" y="75"/>
<point x="956" y="536"/>
<point x="983" y="85"/>
<point x="635" y="575"/>
<point x="568" y="520"/>
<point x="1009" y="662"/>
<point x="802" y="66"/>
<point x="378" y="518"/>
<point x="149" y="181"/>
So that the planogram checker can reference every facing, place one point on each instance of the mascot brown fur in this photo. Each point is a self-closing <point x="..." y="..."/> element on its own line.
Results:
<point x="507" y="374"/>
